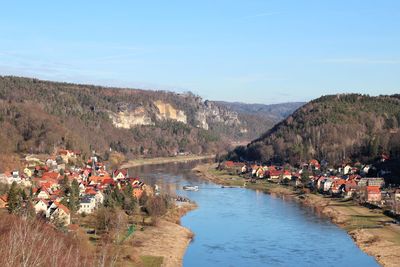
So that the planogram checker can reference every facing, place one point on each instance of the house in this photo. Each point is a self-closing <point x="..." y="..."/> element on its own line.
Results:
<point x="99" y="197"/>
<point x="28" y="172"/>
<point x="40" y="206"/>
<point x="274" y="174"/>
<point x="338" y="186"/>
<point x="254" y="169"/>
<point x="287" y="175"/>
<point x="244" y="169"/>
<point x="120" y="174"/>
<point x="51" y="175"/>
<point x="350" y="188"/>
<point x="371" y="182"/>
<point x="260" y="173"/>
<point x="44" y="193"/>
<point x="89" y="191"/>
<point x="384" y="157"/>
<point x="13" y="177"/>
<point x="366" y="169"/>
<point x="347" y="169"/>
<point x="373" y="194"/>
<point x="327" y="184"/>
<point x="52" y="164"/>
<point x="82" y="188"/>
<point x="57" y="212"/>
<point x="376" y="182"/>
<point x="314" y="164"/>
<point x="93" y="180"/>
<point x="107" y="182"/>
<point x="87" y="205"/>
<point x="66" y="155"/>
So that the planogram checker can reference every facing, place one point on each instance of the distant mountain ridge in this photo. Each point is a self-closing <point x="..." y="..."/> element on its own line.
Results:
<point x="276" y="112"/>
<point x="261" y="117"/>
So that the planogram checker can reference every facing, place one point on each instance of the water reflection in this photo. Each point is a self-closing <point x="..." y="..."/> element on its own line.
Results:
<point x="240" y="227"/>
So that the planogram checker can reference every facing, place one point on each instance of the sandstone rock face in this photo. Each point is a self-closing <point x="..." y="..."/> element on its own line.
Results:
<point x="168" y="112"/>
<point x="203" y="114"/>
<point x="128" y="119"/>
<point x="211" y="113"/>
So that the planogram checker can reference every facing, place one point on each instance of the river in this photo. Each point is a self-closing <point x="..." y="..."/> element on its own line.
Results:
<point x="242" y="227"/>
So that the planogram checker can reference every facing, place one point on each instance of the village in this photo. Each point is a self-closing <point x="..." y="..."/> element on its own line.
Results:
<point x="347" y="181"/>
<point x="64" y="185"/>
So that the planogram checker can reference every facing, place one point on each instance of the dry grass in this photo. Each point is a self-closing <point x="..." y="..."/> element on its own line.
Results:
<point x="167" y="240"/>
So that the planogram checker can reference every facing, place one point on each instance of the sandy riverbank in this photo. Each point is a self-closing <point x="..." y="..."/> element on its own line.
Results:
<point x="168" y="239"/>
<point x="371" y="230"/>
<point x="162" y="160"/>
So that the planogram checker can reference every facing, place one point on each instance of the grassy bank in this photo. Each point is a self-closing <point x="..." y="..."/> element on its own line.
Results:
<point x="372" y="231"/>
<point x="162" y="160"/>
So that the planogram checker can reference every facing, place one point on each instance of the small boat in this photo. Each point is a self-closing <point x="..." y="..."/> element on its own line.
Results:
<point x="191" y="188"/>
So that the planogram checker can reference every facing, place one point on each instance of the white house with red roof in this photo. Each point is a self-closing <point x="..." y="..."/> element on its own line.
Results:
<point x="58" y="212"/>
<point x="41" y="206"/>
<point x="44" y="193"/>
<point x="120" y="174"/>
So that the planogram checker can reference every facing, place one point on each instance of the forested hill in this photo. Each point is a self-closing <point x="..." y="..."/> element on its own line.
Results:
<point x="333" y="128"/>
<point x="38" y="116"/>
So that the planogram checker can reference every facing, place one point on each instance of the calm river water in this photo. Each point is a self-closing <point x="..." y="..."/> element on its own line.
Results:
<point x="242" y="227"/>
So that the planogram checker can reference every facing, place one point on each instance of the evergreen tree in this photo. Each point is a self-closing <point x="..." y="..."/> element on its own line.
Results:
<point x="23" y="195"/>
<point x="74" y="196"/>
<point x="130" y="202"/>
<point x="14" y="199"/>
<point x="117" y="196"/>
<point x="65" y="185"/>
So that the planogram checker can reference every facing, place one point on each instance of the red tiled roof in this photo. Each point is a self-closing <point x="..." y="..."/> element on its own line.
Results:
<point x="61" y="206"/>
<point x="373" y="189"/>
<point x="108" y="181"/>
<point x="63" y="152"/>
<point x="51" y="175"/>
<point x="275" y="173"/>
<point x="123" y="171"/>
<point x="229" y="163"/>
<point x="90" y="191"/>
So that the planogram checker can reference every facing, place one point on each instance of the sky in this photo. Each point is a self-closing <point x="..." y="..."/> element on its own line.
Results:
<point x="249" y="51"/>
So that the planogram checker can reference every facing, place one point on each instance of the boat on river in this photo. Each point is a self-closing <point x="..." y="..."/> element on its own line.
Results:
<point x="191" y="188"/>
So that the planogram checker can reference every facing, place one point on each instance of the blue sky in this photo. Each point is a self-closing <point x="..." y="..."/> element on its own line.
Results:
<point x="249" y="51"/>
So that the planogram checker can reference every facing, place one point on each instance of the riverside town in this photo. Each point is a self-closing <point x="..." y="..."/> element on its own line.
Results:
<point x="200" y="133"/>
